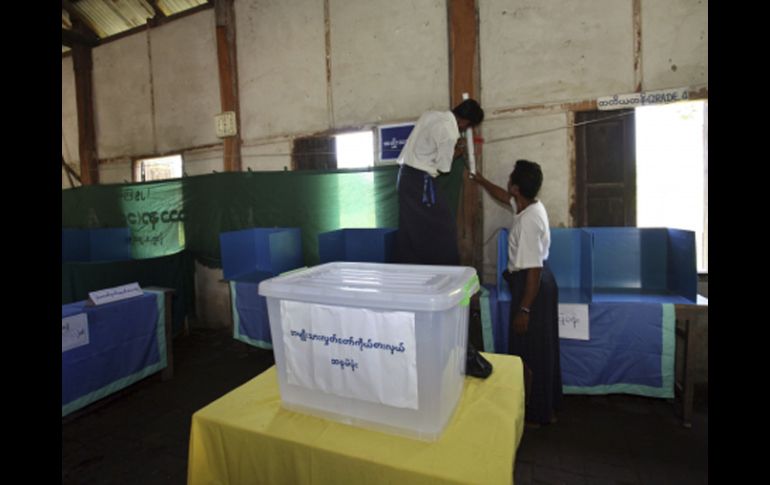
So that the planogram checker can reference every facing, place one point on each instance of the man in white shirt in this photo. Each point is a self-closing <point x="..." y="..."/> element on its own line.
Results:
<point x="534" y="316"/>
<point x="427" y="232"/>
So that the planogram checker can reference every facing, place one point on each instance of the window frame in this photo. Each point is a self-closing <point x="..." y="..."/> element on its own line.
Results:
<point x="137" y="168"/>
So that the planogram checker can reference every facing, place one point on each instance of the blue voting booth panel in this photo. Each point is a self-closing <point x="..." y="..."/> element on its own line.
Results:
<point x="248" y="257"/>
<point x="270" y="250"/>
<point x="494" y="324"/>
<point x="644" y="265"/>
<point x="570" y="258"/>
<point x="110" y="244"/>
<point x="251" y="323"/>
<point x="126" y="343"/>
<point x="331" y="246"/>
<point x="503" y="292"/>
<point x="682" y="264"/>
<point x="631" y="350"/>
<point x="100" y="244"/>
<point x="369" y="245"/>
<point x="631" y="347"/>
<point x="628" y="257"/>
<point x="615" y="264"/>
<point x="74" y="245"/>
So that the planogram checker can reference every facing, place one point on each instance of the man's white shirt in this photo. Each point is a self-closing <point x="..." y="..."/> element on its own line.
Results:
<point x="431" y="144"/>
<point x="529" y="238"/>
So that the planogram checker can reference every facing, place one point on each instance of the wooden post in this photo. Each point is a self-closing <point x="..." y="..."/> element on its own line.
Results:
<point x="464" y="78"/>
<point x="636" y="7"/>
<point x="689" y="318"/>
<point x="89" y="160"/>
<point x="228" y="79"/>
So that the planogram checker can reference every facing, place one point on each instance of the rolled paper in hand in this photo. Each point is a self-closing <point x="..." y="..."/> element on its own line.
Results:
<point x="469" y="145"/>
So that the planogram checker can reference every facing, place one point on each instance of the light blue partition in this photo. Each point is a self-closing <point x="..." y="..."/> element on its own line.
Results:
<point x="643" y="265"/>
<point x="368" y="245"/>
<point x="682" y="264"/>
<point x="331" y="246"/>
<point x="503" y="292"/>
<point x="571" y="261"/>
<point x="251" y="323"/>
<point x="74" y="245"/>
<point x="272" y="250"/>
<point x="248" y="257"/>
<point x="110" y="244"/>
<point x="96" y="244"/>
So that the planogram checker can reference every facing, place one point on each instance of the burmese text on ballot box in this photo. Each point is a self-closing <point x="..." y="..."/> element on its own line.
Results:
<point x="376" y="345"/>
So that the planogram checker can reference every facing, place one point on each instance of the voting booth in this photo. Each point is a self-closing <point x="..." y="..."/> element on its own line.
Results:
<point x="619" y="288"/>
<point x="632" y="264"/>
<point x="268" y="250"/>
<point x="110" y="345"/>
<point x="375" y="345"/>
<point x="98" y="244"/>
<point x="248" y="257"/>
<point x="364" y="245"/>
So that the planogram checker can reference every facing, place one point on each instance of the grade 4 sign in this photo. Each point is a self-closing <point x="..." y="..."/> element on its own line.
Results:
<point x="645" y="98"/>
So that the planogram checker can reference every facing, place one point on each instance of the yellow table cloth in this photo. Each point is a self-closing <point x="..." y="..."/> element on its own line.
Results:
<point x="246" y="437"/>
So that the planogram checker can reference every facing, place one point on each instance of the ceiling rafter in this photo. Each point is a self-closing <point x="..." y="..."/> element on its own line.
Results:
<point x="159" y="13"/>
<point x="71" y="37"/>
<point x="79" y="23"/>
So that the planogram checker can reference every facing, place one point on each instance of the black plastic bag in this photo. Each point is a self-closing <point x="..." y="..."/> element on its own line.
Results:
<point x="476" y="365"/>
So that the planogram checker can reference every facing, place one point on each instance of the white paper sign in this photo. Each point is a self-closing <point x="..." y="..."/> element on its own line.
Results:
<point x="573" y="321"/>
<point x="74" y="331"/>
<point x="109" y="295"/>
<point x="645" y="98"/>
<point x="351" y="352"/>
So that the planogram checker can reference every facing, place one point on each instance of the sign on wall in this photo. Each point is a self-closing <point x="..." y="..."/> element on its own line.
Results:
<point x="351" y="352"/>
<point x="645" y="98"/>
<point x="392" y="140"/>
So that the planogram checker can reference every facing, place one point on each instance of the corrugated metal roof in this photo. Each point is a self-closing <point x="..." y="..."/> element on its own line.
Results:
<point x="110" y="17"/>
<point x="170" y="7"/>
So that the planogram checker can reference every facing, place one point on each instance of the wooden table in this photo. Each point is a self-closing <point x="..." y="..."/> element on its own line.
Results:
<point x="688" y="318"/>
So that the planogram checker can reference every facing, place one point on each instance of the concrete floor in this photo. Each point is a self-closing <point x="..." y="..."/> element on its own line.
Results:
<point x="141" y="435"/>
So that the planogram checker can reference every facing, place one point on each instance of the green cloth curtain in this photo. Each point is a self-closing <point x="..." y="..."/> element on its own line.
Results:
<point x="189" y="213"/>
